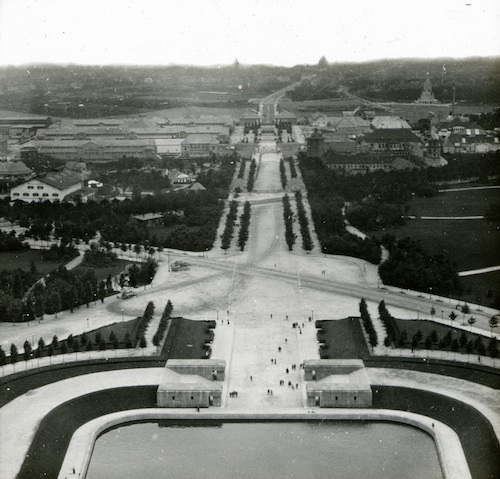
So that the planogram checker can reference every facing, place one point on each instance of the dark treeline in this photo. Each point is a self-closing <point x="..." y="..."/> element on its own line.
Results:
<point x="251" y="176"/>
<point x="368" y="323"/>
<point x="409" y="266"/>
<point x="227" y="234"/>
<point x="282" y="174"/>
<point x="307" y="243"/>
<point x="288" y="217"/>
<point x="244" y="225"/>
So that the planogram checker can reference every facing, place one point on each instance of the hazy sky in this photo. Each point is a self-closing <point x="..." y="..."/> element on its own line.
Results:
<point x="279" y="32"/>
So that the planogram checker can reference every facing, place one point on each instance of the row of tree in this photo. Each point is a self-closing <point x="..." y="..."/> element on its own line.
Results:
<point x="307" y="242"/>
<point x="251" y="175"/>
<point x="388" y="321"/>
<point x="283" y="174"/>
<point x="244" y="225"/>
<point x="228" y="232"/>
<point x="293" y="170"/>
<point x="288" y="217"/>
<point x="241" y="172"/>
<point x="162" y="327"/>
<point x="368" y="323"/>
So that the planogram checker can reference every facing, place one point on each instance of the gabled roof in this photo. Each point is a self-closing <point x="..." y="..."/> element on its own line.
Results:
<point x="391" y="122"/>
<point x="61" y="180"/>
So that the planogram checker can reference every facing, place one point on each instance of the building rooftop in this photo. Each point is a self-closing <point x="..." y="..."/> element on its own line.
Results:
<point x="61" y="180"/>
<point x="392" y="122"/>
<point x="14" y="168"/>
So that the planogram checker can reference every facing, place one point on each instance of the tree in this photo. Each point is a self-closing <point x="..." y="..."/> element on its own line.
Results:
<point x="102" y="291"/>
<point x="465" y="310"/>
<point x="142" y="342"/>
<point x="3" y="357"/>
<point x="463" y="339"/>
<point x="27" y="350"/>
<point x="55" y="342"/>
<point x="469" y="347"/>
<point x="452" y="316"/>
<point x="56" y="302"/>
<point x="64" y="348"/>
<point x="471" y="321"/>
<point x="433" y="311"/>
<point x="39" y="307"/>
<point x="41" y="346"/>
<point x="493" y="323"/>
<point x="480" y="348"/>
<point x="13" y="353"/>
<point x="50" y="350"/>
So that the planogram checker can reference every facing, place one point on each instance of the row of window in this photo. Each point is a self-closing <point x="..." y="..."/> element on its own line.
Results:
<point x="55" y="195"/>
<point x="31" y="187"/>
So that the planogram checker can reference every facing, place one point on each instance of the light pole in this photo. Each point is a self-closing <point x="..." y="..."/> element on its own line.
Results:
<point x="217" y="315"/>
<point x="122" y="315"/>
<point x="87" y="323"/>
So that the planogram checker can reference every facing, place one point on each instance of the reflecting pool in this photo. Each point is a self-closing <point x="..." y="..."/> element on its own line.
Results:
<point x="274" y="450"/>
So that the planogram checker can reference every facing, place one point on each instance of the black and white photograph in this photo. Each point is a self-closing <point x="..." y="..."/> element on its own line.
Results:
<point x="249" y="239"/>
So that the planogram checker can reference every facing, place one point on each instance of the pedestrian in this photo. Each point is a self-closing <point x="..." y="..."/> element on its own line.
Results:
<point x="271" y="315"/>
<point x="251" y="378"/>
<point x="297" y="385"/>
<point x="287" y="370"/>
<point x="286" y="340"/>
<point x="279" y="349"/>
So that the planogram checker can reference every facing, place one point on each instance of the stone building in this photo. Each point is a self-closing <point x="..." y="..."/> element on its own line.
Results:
<point x="191" y="383"/>
<point x="337" y="383"/>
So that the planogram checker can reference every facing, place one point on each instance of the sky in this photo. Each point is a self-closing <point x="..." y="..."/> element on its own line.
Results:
<point x="217" y="32"/>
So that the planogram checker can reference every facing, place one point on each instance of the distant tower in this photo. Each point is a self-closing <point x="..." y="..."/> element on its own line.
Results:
<point x="427" y="96"/>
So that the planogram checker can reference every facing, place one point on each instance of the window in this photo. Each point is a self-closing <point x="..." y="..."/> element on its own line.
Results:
<point x="30" y="187"/>
<point x="26" y="194"/>
<point x="36" y="194"/>
<point x="45" y="194"/>
<point x="15" y="194"/>
<point x="40" y="187"/>
<point x="55" y="194"/>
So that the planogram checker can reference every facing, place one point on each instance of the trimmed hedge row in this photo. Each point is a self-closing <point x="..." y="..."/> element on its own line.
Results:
<point x="162" y="327"/>
<point x="283" y="173"/>
<point x="251" y="176"/>
<point x="227" y="235"/>
<point x="241" y="172"/>
<point x="293" y="171"/>
<point x="143" y="324"/>
<point x="288" y="216"/>
<point x="244" y="224"/>
<point x="368" y="323"/>
<point x="307" y="243"/>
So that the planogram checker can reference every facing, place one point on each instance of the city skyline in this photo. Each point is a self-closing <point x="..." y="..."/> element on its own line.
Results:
<point x="253" y="32"/>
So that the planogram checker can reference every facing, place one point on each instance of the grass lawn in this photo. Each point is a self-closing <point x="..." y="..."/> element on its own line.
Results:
<point x="186" y="339"/>
<point x="471" y="244"/>
<point x="22" y="259"/>
<point x="115" y="269"/>
<point x="343" y="339"/>
<point x="476" y="289"/>
<point x="455" y="203"/>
